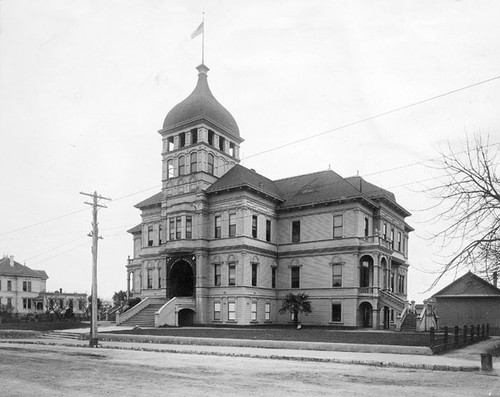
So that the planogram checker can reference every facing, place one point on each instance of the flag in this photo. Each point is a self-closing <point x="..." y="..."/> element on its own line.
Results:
<point x="198" y="31"/>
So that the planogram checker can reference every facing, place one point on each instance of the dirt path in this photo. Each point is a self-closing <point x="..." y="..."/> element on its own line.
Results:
<point x="27" y="370"/>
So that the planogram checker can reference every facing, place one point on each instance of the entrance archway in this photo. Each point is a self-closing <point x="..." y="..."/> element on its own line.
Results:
<point x="365" y="311"/>
<point x="185" y="318"/>
<point x="181" y="279"/>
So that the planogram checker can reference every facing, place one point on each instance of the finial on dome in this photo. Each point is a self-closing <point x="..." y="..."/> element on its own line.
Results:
<point x="202" y="69"/>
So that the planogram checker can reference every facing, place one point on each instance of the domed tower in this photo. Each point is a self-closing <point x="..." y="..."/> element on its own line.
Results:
<point x="201" y="141"/>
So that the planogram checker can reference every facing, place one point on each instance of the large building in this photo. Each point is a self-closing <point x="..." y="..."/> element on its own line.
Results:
<point x="223" y="244"/>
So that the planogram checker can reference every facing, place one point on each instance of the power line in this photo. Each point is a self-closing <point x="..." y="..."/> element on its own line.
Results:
<point x="376" y="116"/>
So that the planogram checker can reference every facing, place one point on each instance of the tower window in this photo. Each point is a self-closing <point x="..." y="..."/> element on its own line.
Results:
<point x="231" y="149"/>
<point x="221" y="143"/>
<point x="217" y="275"/>
<point x="273" y="277"/>
<point x="150" y="236"/>
<point x="170" y="169"/>
<point x="178" y="223"/>
<point x="210" y="161"/>
<point x="181" y="166"/>
<point x="337" y="275"/>
<point x="232" y="274"/>
<point x="211" y="136"/>
<point x="182" y="139"/>
<point x="194" y="162"/>
<point x="268" y="230"/>
<point x="170" y="143"/>
<point x="232" y="225"/>
<point x="367" y="227"/>
<point x="194" y="136"/>
<point x="254" y="274"/>
<point x="172" y="229"/>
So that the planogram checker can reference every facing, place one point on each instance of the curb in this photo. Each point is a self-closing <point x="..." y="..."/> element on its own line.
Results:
<point x="372" y="363"/>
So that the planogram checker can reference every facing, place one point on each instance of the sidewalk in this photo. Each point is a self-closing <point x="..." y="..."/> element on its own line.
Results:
<point x="466" y="359"/>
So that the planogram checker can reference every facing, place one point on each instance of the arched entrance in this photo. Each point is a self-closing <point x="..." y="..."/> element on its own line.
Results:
<point x="365" y="311"/>
<point x="185" y="317"/>
<point x="181" y="279"/>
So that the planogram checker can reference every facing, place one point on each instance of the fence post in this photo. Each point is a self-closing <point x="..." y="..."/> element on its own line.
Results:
<point x="488" y="330"/>
<point x="472" y="333"/>
<point x="432" y="338"/>
<point x="478" y="332"/>
<point x="446" y="338"/>
<point x="456" y="336"/>
<point x="483" y="336"/>
<point x="465" y="334"/>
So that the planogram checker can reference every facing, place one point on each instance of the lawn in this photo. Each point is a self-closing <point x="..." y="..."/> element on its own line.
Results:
<point x="290" y="334"/>
<point x="43" y="325"/>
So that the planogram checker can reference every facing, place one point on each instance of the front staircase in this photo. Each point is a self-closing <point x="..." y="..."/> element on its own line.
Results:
<point x="144" y="318"/>
<point x="409" y="322"/>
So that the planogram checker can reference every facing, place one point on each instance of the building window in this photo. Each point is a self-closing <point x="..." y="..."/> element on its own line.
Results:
<point x="170" y="169"/>
<point x="150" y="278"/>
<point x="254" y="226"/>
<point x="254" y="274"/>
<point x="160" y="234"/>
<point x="150" y="236"/>
<point x="194" y="162"/>
<point x="296" y="232"/>
<point x="217" y="316"/>
<point x="210" y="161"/>
<point x="217" y="275"/>
<point x="232" y="274"/>
<point x="231" y="311"/>
<point x="221" y="143"/>
<point x="267" y="312"/>
<point x="273" y="277"/>
<point x="182" y="139"/>
<point x="26" y="303"/>
<point x="194" y="136"/>
<point x="337" y="226"/>
<point x="9" y="303"/>
<point x="367" y="227"/>
<point x="181" y="166"/>
<point x="211" y="137"/>
<point x="337" y="275"/>
<point x="336" y="312"/>
<point x="218" y="230"/>
<point x="189" y="227"/>
<point x="172" y="229"/>
<point x="178" y="230"/>
<point x="160" y="274"/>
<point x="170" y="143"/>
<point x="399" y="241"/>
<point x="401" y="284"/>
<point x="232" y="225"/>
<point x="392" y="281"/>
<point x="0" y="285"/>
<point x="254" y="311"/>
<point x="295" y="277"/>
<point x="9" y="285"/>
<point x="231" y="149"/>
<point x="392" y="238"/>
<point x="268" y="230"/>
<point x="384" y="231"/>
<point x="27" y="286"/>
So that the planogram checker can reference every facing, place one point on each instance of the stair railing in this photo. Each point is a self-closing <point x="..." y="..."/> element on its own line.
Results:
<point x="122" y="317"/>
<point x="163" y="316"/>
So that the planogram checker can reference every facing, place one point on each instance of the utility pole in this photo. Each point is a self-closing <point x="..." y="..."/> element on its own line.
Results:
<point x="95" y="237"/>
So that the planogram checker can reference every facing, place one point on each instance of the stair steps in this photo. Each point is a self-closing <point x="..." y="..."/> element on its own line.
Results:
<point x="145" y="318"/>
<point x="410" y="322"/>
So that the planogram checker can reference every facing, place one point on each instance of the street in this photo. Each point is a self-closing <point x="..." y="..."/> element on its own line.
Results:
<point x="42" y="370"/>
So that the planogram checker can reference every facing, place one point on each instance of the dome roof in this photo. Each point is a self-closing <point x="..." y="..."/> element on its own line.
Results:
<point x="201" y="105"/>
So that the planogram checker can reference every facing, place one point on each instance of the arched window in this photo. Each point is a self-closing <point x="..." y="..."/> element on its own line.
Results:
<point x="170" y="169"/>
<point x="194" y="162"/>
<point x="365" y="271"/>
<point x="181" y="166"/>
<point x="210" y="162"/>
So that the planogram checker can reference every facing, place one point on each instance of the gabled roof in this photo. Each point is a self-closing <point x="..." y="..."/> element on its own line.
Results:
<point x="153" y="200"/>
<point x="19" y="270"/>
<point x="241" y="177"/>
<point x="468" y="285"/>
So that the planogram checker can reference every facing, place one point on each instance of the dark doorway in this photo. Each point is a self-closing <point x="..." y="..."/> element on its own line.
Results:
<point x="181" y="279"/>
<point x="186" y="318"/>
<point x="365" y="310"/>
<point x="387" y="323"/>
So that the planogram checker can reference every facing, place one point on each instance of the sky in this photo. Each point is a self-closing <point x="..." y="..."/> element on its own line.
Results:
<point x="85" y="86"/>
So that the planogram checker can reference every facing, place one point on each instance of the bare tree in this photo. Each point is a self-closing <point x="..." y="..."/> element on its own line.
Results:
<point x="469" y="208"/>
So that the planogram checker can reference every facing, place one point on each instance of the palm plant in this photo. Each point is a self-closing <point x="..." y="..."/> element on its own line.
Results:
<point x="296" y="303"/>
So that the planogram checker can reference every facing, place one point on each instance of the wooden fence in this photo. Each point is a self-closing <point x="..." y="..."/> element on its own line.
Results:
<point x="453" y="338"/>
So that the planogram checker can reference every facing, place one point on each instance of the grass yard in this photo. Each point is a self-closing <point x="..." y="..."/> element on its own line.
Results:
<point x="290" y="334"/>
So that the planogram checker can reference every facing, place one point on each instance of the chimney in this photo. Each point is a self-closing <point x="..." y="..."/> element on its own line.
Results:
<point x="60" y="290"/>
<point x="11" y="260"/>
<point x="495" y="278"/>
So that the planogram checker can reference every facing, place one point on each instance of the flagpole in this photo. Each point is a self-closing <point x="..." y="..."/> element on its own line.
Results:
<point x="203" y="42"/>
